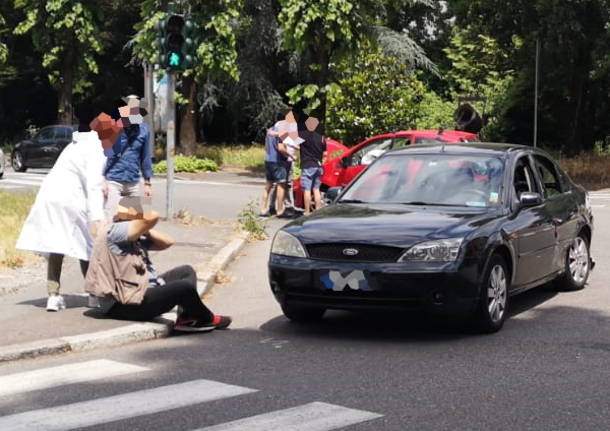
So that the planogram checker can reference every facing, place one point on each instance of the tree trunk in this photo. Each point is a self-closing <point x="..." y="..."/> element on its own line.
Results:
<point x="188" y="124"/>
<point x="320" y="54"/>
<point x="64" y="105"/>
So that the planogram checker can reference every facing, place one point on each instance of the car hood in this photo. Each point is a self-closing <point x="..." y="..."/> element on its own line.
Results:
<point x="392" y="225"/>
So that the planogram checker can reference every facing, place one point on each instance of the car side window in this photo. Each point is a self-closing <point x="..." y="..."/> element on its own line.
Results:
<point x="551" y="183"/>
<point x="400" y="143"/>
<point x="524" y="180"/>
<point x="59" y="133"/>
<point x="46" y="133"/>
<point x="367" y="154"/>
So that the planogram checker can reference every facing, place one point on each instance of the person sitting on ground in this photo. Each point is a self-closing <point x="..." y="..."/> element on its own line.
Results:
<point x="123" y="277"/>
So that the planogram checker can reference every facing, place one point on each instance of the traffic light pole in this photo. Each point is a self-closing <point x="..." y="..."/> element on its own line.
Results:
<point x="171" y="143"/>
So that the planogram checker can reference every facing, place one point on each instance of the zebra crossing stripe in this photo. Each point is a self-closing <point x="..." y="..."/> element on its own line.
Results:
<point x="64" y="375"/>
<point x="118" y="407"/>
<point x="308" y="417"/>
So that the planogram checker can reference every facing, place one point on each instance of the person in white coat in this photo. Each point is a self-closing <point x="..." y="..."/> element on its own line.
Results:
<point x="70" y="203"/>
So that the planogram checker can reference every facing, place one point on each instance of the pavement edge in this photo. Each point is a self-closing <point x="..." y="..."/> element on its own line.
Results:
<point x="131" y="333"/>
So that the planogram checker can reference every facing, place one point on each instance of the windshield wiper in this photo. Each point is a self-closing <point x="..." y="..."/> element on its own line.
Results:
<point x="432" y="204"/>
<point x="351" y="201"/>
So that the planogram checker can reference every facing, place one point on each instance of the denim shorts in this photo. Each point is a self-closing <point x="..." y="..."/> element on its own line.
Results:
<point x="311" y="178"/>
<point x="276" y="172"/>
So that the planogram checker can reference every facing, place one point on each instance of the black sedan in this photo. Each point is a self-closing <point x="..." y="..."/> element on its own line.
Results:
<point x="43" y="149"/>
<point x="455" y="228"/>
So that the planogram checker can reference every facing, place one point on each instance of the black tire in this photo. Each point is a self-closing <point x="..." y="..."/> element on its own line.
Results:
<point x="577" y="265"/>
<point x="302" y="314"/>
<point x="490" y="316"/>
<point x="17" y="162"/>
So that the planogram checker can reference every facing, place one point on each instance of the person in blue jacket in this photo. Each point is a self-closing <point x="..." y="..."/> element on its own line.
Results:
<point x="130" y="157"/>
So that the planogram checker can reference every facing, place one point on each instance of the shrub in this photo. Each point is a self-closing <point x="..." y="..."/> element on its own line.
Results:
<point x="251" y="222"/>
<point x="186" y="164"/>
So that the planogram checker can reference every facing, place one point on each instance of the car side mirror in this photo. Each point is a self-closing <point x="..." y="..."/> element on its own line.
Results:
<point x="333" y="193"/>
<point x="528" y="199"/>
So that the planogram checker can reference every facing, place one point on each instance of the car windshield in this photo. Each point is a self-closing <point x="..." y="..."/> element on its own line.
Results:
<point x="430" y="179"/>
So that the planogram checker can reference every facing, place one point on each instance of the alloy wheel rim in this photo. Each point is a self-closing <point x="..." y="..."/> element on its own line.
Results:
<point x="17" y="162"/>
<point x="578" y="260"/>
<point x="496" y="293"/>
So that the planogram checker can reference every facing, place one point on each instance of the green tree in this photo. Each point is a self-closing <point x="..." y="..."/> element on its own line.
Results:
<point x="574" y="82"/>
<point x="65" y="32"/>
<point x="3" y="47"/>
<point x="379" y="94"/>
<point x="480" y="67"/>
<point x="327" y="31"/>
<point x="216" y="52"/>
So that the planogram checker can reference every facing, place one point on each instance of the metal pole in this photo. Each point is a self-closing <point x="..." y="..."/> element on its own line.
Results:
<point x="536" y="93"/>
<point x="171" y="143"/>
<point x="148" y="95"/>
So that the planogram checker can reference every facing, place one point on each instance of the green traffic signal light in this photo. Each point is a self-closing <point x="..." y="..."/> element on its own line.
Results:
<point x="175" y="59"/>
<point x="175" y="46"/>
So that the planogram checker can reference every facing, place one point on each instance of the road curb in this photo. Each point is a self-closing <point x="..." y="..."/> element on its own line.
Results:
<point x="209" y="270"/>
<point x="131" y="333"/>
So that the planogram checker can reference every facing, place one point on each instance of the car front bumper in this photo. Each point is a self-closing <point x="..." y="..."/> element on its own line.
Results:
<point x="373" y="286"/>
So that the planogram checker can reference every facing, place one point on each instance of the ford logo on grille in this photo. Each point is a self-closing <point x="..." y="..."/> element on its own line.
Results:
<point x="350" y="252"/>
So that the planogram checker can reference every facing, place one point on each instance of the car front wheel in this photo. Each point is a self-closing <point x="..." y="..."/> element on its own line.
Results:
<point x="17" y="162"/>
<point x="302" y="314"/>
<point x="493" y="303"/>
<point x="577" y="265"/>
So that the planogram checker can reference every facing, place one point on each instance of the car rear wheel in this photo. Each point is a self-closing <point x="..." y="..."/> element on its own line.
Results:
<point x="493" y="303"/>
<point x="17" y="162"/>
<point x="302" y="314"/>
<point x="577" y="265"/>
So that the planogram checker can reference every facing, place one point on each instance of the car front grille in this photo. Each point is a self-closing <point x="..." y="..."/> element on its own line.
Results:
<point x="354" y="252"/>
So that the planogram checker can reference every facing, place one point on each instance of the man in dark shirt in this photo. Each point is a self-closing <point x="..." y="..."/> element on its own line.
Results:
<point x="312" y="153"/>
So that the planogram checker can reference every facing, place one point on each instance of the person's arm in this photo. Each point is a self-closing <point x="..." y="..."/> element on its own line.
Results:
<point x="281" y="147"/>
<point x="159" y="240"/>
<point x="146" y="162"/>
<point x="94" y="176"/>
<point x="140" y="226"/>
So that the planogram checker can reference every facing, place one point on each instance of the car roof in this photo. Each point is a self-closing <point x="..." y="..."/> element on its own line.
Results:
<point x="487" y="148"/>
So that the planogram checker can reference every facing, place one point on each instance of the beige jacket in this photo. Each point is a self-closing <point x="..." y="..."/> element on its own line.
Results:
<point x="123" y="278"/>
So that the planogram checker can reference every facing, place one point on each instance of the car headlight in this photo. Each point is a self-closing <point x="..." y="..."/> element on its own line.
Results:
<point x="287" y="245"/>
<point x="442" y="250"/>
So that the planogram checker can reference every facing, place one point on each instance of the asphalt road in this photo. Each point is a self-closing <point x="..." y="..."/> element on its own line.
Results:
<point x="218" y="195"/>
<point x="548" y="369"/>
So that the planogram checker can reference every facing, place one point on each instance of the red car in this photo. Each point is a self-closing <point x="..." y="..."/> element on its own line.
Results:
<point x="342" y="164"/>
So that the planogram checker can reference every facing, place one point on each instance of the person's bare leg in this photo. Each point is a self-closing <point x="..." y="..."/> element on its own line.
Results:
<point x="279" y="204"/>
<point x="265" y="198"/>
<point x="307" y="201"/>
<point x="317" y="198"/>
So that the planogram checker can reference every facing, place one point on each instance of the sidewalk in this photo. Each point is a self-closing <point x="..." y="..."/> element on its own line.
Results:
<point x="29" y="330"/>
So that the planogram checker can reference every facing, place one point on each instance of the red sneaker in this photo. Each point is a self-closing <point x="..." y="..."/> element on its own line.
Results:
<point x="184" y="324"/>
<point x="221" y="322"/>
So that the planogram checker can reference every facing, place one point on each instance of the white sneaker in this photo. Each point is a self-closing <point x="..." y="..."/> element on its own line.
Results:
<point x="56" y="303"/>
<point x="94" y="302"/>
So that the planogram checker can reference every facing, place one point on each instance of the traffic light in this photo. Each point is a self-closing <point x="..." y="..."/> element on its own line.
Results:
<point x="176" y="49"/>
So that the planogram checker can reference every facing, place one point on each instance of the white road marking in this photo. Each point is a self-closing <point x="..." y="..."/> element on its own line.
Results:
<point x="308" y="417"/>
<point x="598" y="206"/>
<point x="64" y="375"/>
<point x="215" y="183"/>
<point x="118" y="407"/>
<point x="21" y="182"/>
